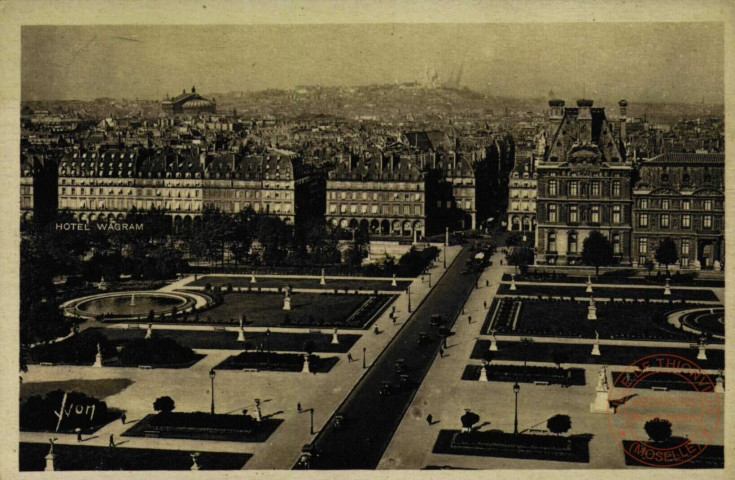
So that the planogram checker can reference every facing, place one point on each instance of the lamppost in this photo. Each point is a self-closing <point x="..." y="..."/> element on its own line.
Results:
<point x="211" y="377"/>
<point x="363" y="358"/>
<point x="516" y="389"/>
<point x="268" y="346"/>
<point x="409" y="298"/>
<point x="429" y="279"/>
<point x="311" y="425"/>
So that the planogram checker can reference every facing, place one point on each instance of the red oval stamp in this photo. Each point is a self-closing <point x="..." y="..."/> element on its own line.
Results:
<point x="663" y="410"/>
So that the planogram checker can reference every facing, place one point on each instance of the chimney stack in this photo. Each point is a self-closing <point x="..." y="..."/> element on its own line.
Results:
<point x="623" y="120"/>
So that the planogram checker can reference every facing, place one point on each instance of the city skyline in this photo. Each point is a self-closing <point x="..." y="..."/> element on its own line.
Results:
<point x="605" y="62"/>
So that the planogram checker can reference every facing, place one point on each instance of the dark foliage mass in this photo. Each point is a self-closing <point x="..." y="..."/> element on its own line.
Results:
<point x="80" y="411"/>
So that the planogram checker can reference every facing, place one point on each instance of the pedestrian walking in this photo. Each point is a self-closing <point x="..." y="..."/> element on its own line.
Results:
<point x="349" y="357"/>
<point x="429" y="419"/>
<point x="484" y="304"/>
<point x="501" y="261"/>
<point x="441" y="352"/>
<point x="469" y="319"/>
<point x="79" y="435"/>
<point x="112" y="439"/>
<point x="487" y="283"/>
<point x="298" y="407"/>
<point x="123" y="418"/>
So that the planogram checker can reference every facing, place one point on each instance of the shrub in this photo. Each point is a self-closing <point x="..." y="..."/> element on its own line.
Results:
<point x="84" y="412"/>
<point x="658" y="429"/>
<point x="559" y="424"/>
<point x="155" y="351"/>
<point x="164" y="404"/>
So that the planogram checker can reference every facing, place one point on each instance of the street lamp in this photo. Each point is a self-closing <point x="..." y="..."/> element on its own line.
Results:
<point x="516" y="389"/>
<point x="311" y="426"/>
<point x="268" y="346"/>
<point x="211" y="377"/>
<point x="363" y="358"/>
<point x="409" y="298"/>
<point x="429" y="279"/>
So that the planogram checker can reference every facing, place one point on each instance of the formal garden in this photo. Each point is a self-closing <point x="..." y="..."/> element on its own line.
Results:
<point x="228" y="340"/>
<point x="687" y="381"/>
<point x="65" y="412"/>
<point x="345" y="283"/>
<point x="628" y="293"/>
<point x="85" y="457"/>
<point x="616" y="277"/>
<point x="562" y="353"/>
<point x="568" y="318"/>
<point x="277" y="362"/>
<point x="519" y="374"/>
<point x="82" y="349"/>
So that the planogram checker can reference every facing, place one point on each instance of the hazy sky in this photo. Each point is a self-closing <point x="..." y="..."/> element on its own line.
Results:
<point x="678" y="62"/>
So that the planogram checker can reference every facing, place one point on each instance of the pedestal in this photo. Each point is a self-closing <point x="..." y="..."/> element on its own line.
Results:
<point x="589" y="285"/>
<point x="483" y="374"/>
<point x="702" y="354"/>
<point x="494" y="345"/>
<point x="596" y="350"/>
<point x="720" y="384"/>
<point x="149" y="332"/>
<point x="241" y="335"/>
<point x="667" y="288"/>
<point x="393" y="282"/>
<point x="601" y="404"/>
<point x="306" y="368"/>
<point x="322" y="281"/>
<point x="50" y="462"/>
<point x="98" y="361"/>
<point x="591" y="312"/>
<point x="287" y="304"/>
<point x="252" y="278"/>
<point x="335" y="339"/>
<point x="195" y="465"/>
<point x="513" y="283"/>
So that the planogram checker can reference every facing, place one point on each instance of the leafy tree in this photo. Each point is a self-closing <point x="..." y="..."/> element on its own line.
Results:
<point x="597" y="250"/>
<point x="559" y="424"/>
<point x="164" y="404"/>
<point x="658" y="429"/>
<point x="521" y="258"/>
<point x="469" y="419"/>
<point x="666" y="252"/>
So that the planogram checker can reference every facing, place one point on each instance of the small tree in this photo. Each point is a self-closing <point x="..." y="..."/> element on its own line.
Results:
<point x="666" y="253"/>
<point x="521" y="258"/>
<point x="164" y="404"/>
<point x="468" y="420"/>
<point x="597" y="250"/>
<point x="658" y="429"/>
<point x="559" y="424"/>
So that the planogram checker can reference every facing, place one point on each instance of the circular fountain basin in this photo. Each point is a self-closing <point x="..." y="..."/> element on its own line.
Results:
<point x="130" y="305"/>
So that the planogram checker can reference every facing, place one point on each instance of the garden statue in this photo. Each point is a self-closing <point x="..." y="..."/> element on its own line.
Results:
<point x="322" y="280"/>
<point x="601" y="403"/>
<point x="195" y="465"/>
<point x="50" y="457"/>
<point x="393" y="282"/>
<point x="493" y="342"/>
<point x="702" y="353"/>
<point x="252" y="278"/>
<point x="335" y="338"/>
<point x="98" y="357"/>
<point x="149" y="332"/>
<point x="287" y="298"/>
<point x="589" y="284"/>
<point x="596" y="346"/>
<point x="592" y="310"/>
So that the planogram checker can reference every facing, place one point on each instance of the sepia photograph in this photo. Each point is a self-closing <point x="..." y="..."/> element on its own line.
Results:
<point x="371" y="246"/>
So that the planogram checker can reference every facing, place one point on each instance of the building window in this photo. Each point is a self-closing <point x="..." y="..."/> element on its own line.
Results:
<point x="343" y="208"/>
<point x="685" y="247"/>
<point x="552" y="213"/>
<point x="332" y="208"/>
<point x="643" y="220"/>
<point x="572" y="243"/>
<point x="686" y="204"/>
<point x="708" y="205"/>
<point x="552" y="188"/>
<point x="616" y="244"/>
<point x="665" y="204"/>
<point x="664" y="220"/>
<point x="616" y="188"/>
<point x="573" y="188"/>
<point x="552" y="242"/>
<point x="686" y="220"/>
<point x="643" y="245"/>
<point x="573" y="214"/>
<point x="595" y="188"/>
<point x="644" y="203"/>
<point x="616" y="214"/>
<point x="595" y="214"/>
<point x="417" y="209"/>
<point x="707" y="223"/>
<point x="374" y="209"/>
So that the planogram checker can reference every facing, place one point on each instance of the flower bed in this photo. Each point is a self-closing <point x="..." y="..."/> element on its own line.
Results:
<point x="521" y="374"/>
<point x="278" y="362"/>
<point x="204" y="426"/>
<point x="495" y="443"/>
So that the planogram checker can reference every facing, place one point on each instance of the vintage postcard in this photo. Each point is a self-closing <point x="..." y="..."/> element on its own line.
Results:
<point x="380" y="244"/>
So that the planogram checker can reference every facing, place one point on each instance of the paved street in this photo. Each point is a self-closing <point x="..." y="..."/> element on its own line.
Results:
<point x="371" y="418"/>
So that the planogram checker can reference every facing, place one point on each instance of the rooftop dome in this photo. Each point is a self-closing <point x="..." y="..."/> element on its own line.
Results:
<point x="197" y="103"/>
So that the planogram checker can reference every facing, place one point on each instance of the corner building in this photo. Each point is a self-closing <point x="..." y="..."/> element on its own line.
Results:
<point x="583" y="185"/>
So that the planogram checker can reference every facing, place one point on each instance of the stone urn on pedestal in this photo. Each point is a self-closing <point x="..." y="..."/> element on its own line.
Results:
<point x="592" y="310"/>
<point x="306" y="368"/>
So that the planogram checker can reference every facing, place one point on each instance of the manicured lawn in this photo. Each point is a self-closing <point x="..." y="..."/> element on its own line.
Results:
<point x="277" y="362"/>
<point x="670" y="380"/>
<point x="220" y="340"/>
<point x="712" y="457"/>
<point x="521" y="374"/>
<point x="204" y="426"/>
<point x="639" y="321"/>
<point x="610" y="355"/>
<point x="494" y="443"/>
<point x="342" y="283"/>
<point x="607" y="292"/>
<point x="82" y="457"/>
<point x="99" y="389"/>
<point x="560" y="277"/>
<point x="307" y="310"/>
